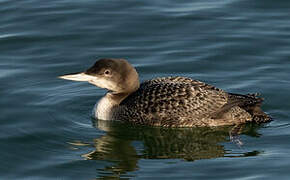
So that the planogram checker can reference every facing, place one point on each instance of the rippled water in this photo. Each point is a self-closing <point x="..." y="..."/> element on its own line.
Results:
<point x="46" y="131"/>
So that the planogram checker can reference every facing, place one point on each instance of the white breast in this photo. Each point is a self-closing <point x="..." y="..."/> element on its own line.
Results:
<point x="103" y="109"/>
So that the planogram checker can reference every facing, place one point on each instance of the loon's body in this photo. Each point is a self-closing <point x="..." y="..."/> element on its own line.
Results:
<point x="167" y="101"/>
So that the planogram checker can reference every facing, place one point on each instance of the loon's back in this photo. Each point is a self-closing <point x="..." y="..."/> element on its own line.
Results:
<point x="183" y="102"/>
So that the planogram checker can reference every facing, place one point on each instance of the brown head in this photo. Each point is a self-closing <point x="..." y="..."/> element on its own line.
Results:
<point x="116" y="75"/>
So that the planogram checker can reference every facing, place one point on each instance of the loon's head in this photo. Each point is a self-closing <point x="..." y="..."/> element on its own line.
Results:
<point x="116" y="75"/>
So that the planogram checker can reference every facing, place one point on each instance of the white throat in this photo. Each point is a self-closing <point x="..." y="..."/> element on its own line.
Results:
<point x="104" y="108"/>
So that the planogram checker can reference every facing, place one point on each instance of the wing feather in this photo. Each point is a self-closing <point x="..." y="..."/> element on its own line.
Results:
<point x="173" y="100"/>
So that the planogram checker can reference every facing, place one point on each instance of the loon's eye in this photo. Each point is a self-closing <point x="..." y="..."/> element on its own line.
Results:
<point x="107" y="72"/>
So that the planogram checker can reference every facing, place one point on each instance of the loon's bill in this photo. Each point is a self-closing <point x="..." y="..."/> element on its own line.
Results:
<point x="80" y="76"/>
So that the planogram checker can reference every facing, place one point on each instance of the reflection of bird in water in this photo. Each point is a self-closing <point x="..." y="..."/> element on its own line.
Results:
<point x="161" y="143"/>
<point x="168" y="101"/>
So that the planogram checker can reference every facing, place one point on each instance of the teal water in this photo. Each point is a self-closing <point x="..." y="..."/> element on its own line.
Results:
<point x="46" y="131"/>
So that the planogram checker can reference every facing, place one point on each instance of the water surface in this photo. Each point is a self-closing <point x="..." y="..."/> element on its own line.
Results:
<point x="46" y="131"/>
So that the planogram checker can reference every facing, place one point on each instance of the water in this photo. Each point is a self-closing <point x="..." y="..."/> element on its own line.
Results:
<point x="46" y="131"/>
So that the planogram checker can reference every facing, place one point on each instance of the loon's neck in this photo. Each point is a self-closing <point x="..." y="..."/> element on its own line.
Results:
<point x="104" y="109"/>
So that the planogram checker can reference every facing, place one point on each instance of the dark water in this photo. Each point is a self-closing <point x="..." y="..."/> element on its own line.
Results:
<point x="46" y="131"/>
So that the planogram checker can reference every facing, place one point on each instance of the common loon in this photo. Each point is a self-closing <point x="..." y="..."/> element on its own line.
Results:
<point x="166" y="101"/>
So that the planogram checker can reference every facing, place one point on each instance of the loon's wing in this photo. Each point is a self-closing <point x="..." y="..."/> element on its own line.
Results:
<point x="172" y="101"/>
<point x="251" y="103"/>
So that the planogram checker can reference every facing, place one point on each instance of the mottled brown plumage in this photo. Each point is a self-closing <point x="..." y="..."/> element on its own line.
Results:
<point x="183" y="102"/>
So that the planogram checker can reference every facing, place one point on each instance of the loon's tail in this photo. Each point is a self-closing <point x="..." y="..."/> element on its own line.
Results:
<point x="252" y="104"/>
